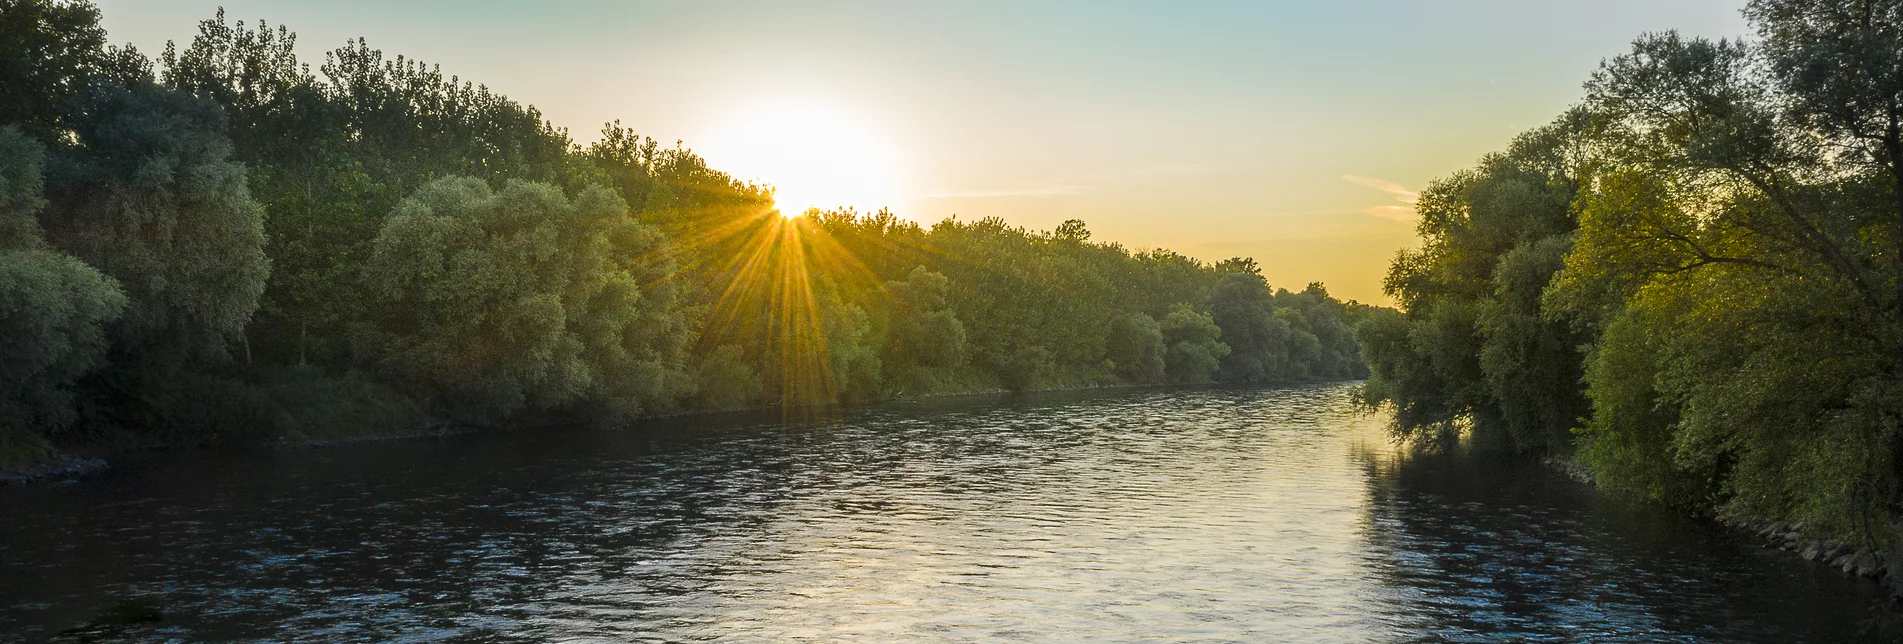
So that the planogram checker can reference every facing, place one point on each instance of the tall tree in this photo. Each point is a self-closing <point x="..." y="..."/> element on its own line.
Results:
<point x="53" y="307"/>
<point x="50" y="51"/>
<point x="493" y="303"/>
<point x="149" y="194"/>
<point x="1243" y="306"/>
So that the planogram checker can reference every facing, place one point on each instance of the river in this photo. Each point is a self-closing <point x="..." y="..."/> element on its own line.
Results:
<point x="1180" y="515"/>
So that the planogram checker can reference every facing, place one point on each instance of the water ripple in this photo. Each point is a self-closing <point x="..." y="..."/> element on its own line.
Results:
<point x="1210" y="515"/>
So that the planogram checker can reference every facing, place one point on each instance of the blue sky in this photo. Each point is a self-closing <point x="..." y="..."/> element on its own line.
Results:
<point x="1291" y="132"/>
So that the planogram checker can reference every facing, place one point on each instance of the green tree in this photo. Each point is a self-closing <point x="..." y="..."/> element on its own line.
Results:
<point x="1754" y="289"/>
<point x="925" y="342"/>
<point x="22" y="189"/>
<point x="724" y="379"/>
<point x="50" y="51"/>
<point x="493" y="303"/>
<point x="53" y="307"/>
<point x="1135" y="348"/>
<point x="1195" y="347"/>
<point x="1331" y="322"/>
<point x="1242" y="305"/>
<point x="434" y="244"/>
<point x="148" y="194"/>
<point x="1476" y="350"/>
<point x="850" y="352"/>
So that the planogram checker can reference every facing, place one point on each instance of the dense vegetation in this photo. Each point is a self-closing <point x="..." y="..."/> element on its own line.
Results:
<point x="224" y="243"/>
<point x="1692" y="282"/>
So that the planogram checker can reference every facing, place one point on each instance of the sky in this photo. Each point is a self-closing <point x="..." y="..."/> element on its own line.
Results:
<point x="1293" y="132"/>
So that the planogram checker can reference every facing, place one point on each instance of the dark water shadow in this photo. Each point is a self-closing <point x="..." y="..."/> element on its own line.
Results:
<point x="1475" y="546"/>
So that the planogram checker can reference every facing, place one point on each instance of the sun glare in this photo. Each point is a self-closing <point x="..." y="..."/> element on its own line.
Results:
<point x="814" y="155"/>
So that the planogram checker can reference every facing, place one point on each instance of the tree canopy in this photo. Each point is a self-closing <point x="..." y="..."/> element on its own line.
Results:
<point x="226" y="241"/>
<point x="1692" y="281"/>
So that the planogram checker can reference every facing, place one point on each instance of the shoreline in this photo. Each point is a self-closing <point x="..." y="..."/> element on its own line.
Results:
<point x="72" y="467"/>
<point x="1830" y="553"/>
<point x="67" y="467"/>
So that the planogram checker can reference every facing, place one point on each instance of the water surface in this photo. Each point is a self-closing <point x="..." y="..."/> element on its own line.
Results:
<point x="1199" y="515"/>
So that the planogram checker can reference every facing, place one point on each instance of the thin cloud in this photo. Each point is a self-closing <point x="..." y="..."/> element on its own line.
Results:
<point x="1400" y="192"/>
<point x="1074" y="185"/>
<point x="1169" y="170"/>
<point x="1397" y="213"/>
<point x="1051" y="191"/>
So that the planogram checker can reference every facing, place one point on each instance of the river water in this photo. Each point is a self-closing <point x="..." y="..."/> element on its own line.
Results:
<point x="1191" y="515"/>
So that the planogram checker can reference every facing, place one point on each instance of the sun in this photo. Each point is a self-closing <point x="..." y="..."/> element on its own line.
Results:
<point x="814" y="154"/>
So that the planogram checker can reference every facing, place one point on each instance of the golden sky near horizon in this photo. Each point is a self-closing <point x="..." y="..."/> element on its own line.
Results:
<point x="1296" y="133"/>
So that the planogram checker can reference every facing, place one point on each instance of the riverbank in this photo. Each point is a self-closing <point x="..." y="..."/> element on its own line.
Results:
<point x="58" y="465"/>
<point x="65" y="467"/>
<point x="1831" y="553"/>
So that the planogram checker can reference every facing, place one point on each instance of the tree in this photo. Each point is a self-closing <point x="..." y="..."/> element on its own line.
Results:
<point x="52" y="311"/>
<point x="50" y="51"/>
<point x="725" y="380"/>
<point x="856" y="368"/>
<point x="925" y="341"/>
<point x="22" y="190"/>
<point x="149" y="194"/>
<point x="494" y="303"/>
<point x="1241" y="305"/>
<point x="1475" y="350"/>
<point x="1744" y="298"/>
<point x="1135" y="348"/>
<point x="53" y="307"/>
<point x="1195" y="347"/>
<point x="1331" y="323"/>
<point x="1839" y="67"/>
<point x="1710" y="243"/>
<point x="433" y="244"/>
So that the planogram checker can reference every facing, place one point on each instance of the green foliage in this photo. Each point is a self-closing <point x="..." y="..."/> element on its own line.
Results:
<point x="1280" y="336"/>
<point x="1036" y="307"/>
<point x="53" y="308"/>
<point x="434" y="249"/>
<point x="497" y="302"/>
<point x="1033" y="309"/>
<point x="1713" y="244"/>
<point x="1531" y="362"/>
<point x="20" y="450"/>
<point x="1758" y="282"/>
<point x="925" y="343"/>
<point x="1628" y="438"/>
<point x="853" y="358"/>
<point x="239" y="405"/>
<point x="331" y="152"/>
<point x="725" y="380"/>
<point x="49" y="52"/>
<point x="1323" y="338"/>
<point x="1242" y="305"/>
<point x="1195" y="347"/>
<point x="52" y="311"/>
<point x="22" y="189"/>
<point x="1475" y="351"/>
<point x="150" y="196"/>
<point x="1135" y="348"/>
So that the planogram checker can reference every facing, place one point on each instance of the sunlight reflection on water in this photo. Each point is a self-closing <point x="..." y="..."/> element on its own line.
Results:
<point x="1202" y="515"/>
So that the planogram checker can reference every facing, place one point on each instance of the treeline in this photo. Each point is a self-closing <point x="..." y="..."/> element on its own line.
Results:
<point x="225" y="243"/>
<point x="1692" y="281"/>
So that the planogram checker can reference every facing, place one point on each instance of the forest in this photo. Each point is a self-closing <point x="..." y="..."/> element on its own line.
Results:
<point x="1691" y="282"/>
<point x="224" y="243"/>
